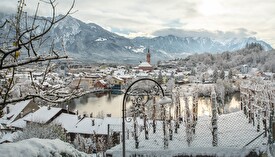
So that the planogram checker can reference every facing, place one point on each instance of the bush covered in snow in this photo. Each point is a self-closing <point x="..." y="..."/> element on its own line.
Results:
<point x="42" y="131"/>
<point x="40" y="147"/>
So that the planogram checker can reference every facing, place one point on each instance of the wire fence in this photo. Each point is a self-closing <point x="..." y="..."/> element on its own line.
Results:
<point x="191" y="133"/>
<point x="185" y="127"/>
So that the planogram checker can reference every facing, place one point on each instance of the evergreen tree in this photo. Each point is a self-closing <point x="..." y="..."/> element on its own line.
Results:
<point x="193" y="72"/>
<point x="215" y="75"/>
<point x="230" y="75"/>
<point x="222" y="74"/>
<point x="160" y="78"/>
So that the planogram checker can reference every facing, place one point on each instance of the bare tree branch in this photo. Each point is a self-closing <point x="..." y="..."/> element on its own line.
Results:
<point x="21" y="48"/>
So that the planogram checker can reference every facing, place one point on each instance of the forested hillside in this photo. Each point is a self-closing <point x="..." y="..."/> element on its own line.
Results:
<point x="252" y="55"/>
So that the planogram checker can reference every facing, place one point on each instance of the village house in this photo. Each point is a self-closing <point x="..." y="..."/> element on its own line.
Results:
<point x="117" y="81"/>
<point x="45" y="115"/>
<point x="101" y="84"/>
<point x="86" y="82"/>
<point x="14" y="113"/>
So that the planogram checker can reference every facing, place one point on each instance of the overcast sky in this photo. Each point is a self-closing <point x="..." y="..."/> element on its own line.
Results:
<point x="213" y="18"/>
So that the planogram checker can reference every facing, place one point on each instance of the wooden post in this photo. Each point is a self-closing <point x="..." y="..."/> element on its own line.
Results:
<point x="214" y="120"/>
<point x="188" y="122"/>
<point x="258" y="120"/>
<point x="154" y="115"/>
<point x="135" y="127"/>
<point x="145" y="122"/>
<point x="195" y="112"/>
<point x="163" y="117"/>
<point x="264" y="123"/>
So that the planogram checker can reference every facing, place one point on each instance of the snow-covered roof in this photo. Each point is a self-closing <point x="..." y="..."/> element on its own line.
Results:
<point x="8" y="137"/>
<point x="144" y="64"/>
<point x="118" y="78"/>
<point x="42" y="115"/>
<point x="85" y="126"/>
<point x="115" y="123"/>
<point x="119" y="72"/>
<point x="15" y="110"/>
<point x="142" y="74"/>
<point x="66" y="120"/>
<point x="126" y="76"/>
<point x="103" y="82"/>
<point x="19" y="123"/>
<point x="179" y="74"/>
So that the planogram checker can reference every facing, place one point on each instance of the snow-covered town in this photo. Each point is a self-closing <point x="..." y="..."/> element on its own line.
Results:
<point x="69" y="87"/>
<point x="102" y="134"/>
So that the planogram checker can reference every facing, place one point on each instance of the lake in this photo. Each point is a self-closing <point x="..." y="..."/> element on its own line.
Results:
<point x="107" y="103"/>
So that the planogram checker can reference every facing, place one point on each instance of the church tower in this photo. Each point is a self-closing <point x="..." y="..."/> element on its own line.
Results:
<point x="148" y="57"/>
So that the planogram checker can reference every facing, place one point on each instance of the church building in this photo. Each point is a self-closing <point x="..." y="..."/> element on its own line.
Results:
<point x="146" y="66"/>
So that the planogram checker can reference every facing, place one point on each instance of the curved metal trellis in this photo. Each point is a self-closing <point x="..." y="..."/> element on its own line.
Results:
<point x="139" y="92"/>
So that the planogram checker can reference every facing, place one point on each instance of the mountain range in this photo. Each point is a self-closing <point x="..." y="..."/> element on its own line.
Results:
<point x="90" y="43"/>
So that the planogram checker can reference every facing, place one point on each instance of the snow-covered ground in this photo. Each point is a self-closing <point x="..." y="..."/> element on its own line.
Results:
<point x="39" y="147"/>
<point x="234" y="132"/>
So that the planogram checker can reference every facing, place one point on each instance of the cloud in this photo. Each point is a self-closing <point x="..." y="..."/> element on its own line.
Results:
<point x="174" y="23"/>
<point x="218" y="34"/>
<point x="178" y="17"/>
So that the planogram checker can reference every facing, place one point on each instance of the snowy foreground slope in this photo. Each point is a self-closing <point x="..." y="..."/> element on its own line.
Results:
<point x="39" y="147"/>
<point x="234" y="132"/>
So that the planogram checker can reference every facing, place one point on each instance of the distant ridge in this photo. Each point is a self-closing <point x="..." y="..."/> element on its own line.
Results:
<point x="88" y="42"/>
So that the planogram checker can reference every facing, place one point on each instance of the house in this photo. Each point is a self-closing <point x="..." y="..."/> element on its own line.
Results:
<point x="244" y="69"/>
<point x="12" y="113"/>
<point x="127" y="78"/>
<point x="117" y="81"/>
<point x="45" y="115"/>
<point x="101" y="84"/>
<point x="86" y="82"/>
<point x="86" y="126"/>
<point x="67" y="121"/>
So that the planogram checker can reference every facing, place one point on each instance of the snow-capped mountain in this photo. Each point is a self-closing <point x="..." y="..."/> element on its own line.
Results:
<point x="89" y="42"/>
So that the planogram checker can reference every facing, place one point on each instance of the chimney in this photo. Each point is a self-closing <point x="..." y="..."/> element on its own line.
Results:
<point x="79" y="117"/>
<point x="93" y="122"/>
<point x="8" y="109"/>
<point x="84" y="114"/>
<point x="76" y="112"/>
<point x="67" y="108"/>
<point x="49" y="107"/>
<point x="21" y="114"/>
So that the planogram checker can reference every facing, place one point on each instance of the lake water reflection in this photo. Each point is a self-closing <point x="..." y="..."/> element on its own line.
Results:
<point x="232" y="104"/>
<point x="108" y="103"/>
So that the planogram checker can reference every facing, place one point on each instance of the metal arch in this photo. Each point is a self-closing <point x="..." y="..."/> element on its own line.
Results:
<point x="124" y="108"/>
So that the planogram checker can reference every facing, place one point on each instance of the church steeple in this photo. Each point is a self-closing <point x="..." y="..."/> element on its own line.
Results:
<point x="148" y="57"/>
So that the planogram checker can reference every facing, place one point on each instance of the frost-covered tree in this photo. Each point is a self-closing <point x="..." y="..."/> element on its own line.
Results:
<point x="160" y="78"/>
<point x="25" y="44"/>
<point x="100" y="114"/>
<point x="170" y="85"/>
<point x="222" y="74"/>
<point x="215" y="75"/>
<point x="84" y="144"/>
<point x="35" y="130"/>
<point x="230" y="74"/>
<point x="188" y="122"/>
